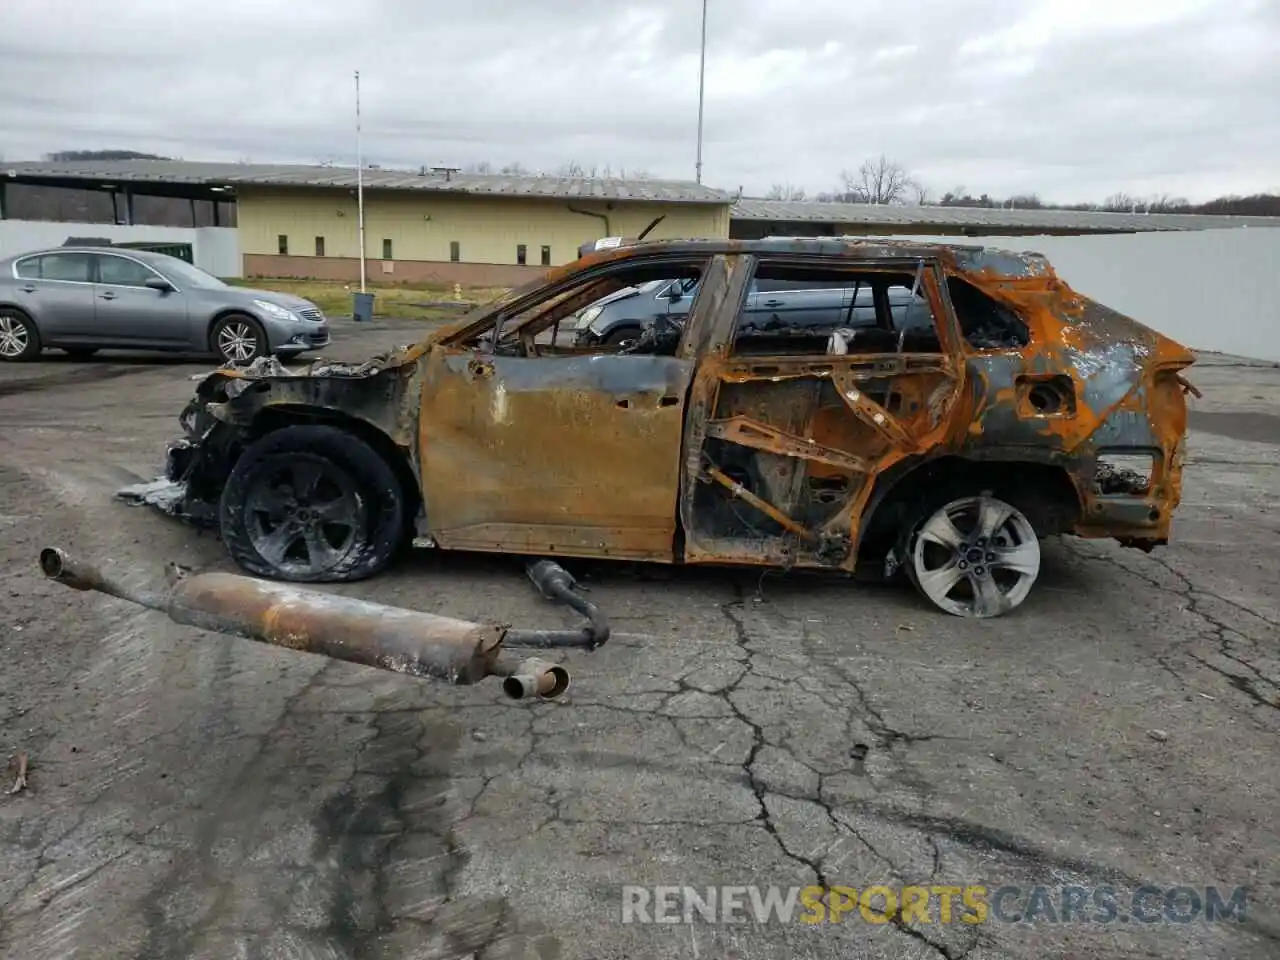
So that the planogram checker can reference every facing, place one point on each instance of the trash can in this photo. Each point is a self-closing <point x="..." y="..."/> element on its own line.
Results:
<point x="362" y="307"/>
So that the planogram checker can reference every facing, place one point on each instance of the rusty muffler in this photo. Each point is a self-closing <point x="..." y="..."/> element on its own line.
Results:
<point x="344" y="628"/>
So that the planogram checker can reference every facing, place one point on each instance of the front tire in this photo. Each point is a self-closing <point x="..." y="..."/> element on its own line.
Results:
<point x="312" y="504"/>
<point x="972" y="556"/>
<point x="238" y="339"/>
<point x="19" y="338"/>
<point x="622" y="337"/>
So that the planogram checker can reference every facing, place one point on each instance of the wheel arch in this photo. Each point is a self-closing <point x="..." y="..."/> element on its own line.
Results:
<point x="17" y="308"/>
<point x="36" y="335"/>
<point x="276" y="416"/>
<point x="1044" y="491"/>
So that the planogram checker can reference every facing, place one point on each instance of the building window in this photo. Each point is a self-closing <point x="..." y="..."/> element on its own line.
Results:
<point x="522" y="254"/>
<point x="546" y="256"/>
<point x="455" y="251"/>
<point x="282" y="245"/>
<point x="319" y="246"/>
<point x="386" y="250"/>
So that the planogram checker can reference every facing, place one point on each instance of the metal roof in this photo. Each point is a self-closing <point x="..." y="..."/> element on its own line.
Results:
<point x="181" y="172"/>
<point x="987" y="218"/>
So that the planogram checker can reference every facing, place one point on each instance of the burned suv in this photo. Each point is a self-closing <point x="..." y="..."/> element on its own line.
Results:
<point x="947" y="448"/>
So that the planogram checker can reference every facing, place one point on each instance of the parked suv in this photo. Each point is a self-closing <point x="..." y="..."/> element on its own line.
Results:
<point x="941" y="436"/>
<point x="83" y="299"/>
<point x="620" y="318"/>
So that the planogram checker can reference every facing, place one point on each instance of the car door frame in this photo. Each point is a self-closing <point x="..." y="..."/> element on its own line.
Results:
<point x="834" y="544"/>
<point x="54" y="326"/>
<point x="105" y="297"/>
<point x="497" y="476"/>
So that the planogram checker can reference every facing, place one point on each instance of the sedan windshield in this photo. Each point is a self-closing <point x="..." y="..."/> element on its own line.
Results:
<point x="187" y="275"/>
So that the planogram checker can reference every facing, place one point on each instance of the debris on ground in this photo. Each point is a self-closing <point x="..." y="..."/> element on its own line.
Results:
<point x="1159" y="736"/>
<point x="20" y="782"/>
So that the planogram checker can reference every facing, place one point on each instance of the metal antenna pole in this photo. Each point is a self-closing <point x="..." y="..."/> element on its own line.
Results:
<point x="702" y="83"/>
<point x="360" y="184"/>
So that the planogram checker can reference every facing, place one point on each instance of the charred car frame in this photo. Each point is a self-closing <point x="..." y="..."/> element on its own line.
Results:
<point x="1019" y="409"/>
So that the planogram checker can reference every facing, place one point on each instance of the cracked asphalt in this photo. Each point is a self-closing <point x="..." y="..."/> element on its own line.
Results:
<point x="196" y="796"/>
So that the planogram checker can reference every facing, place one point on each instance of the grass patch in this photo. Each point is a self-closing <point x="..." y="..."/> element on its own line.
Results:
<point x="401" y="301"/>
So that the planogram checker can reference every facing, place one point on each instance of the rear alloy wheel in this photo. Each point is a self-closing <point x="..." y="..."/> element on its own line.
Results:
<point x="239" y="339"/>
<point x="974" y="557"/>
<point x="312" y="504"/>
<point x="19" y="339"/>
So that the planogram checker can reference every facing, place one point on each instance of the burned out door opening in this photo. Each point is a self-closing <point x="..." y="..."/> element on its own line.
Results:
<point x="805" y="407"/>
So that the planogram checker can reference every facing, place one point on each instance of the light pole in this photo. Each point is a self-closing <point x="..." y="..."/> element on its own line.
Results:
<point x="360" y="184"/>
<point x="702" y="84"/>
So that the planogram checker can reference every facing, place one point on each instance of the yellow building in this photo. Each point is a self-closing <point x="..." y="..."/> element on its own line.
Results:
<point x="430" y="224"/>
<point x="500" y="231"/>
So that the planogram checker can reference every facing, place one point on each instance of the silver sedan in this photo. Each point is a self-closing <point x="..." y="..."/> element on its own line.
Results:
<point x="84" y="299"/>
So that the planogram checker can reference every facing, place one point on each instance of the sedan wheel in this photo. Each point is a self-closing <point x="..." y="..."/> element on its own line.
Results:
<point x="239" y="340"/>
<point x="18" y="337"/>
<point x="975" y="557"/>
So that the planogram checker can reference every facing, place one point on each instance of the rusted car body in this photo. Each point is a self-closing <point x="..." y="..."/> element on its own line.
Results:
<point x="1017" y="414"/>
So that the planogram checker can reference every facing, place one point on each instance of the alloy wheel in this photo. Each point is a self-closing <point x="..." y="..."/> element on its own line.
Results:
<point x="975" y="557"/>
<point x="305" y="518"/>
<point x="14" y="337"/>
<point x="237" y="341"/>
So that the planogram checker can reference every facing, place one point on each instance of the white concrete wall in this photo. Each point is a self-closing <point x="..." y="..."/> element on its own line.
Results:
<point x="215" y="249"/>
<point x="1208" y="289"/>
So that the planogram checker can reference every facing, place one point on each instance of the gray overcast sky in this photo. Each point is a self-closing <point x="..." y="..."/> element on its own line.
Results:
<point x="1075" y="99"/>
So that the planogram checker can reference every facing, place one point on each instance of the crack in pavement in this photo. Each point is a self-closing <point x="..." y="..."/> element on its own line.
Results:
<point x="1215" y="629"/>
<point x="761" y="791"/>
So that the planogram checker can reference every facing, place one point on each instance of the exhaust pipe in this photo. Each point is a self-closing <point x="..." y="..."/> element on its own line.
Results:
<point x="536" y="678"/>
<point x="404" y="641"/>
<point x="556" y="583"/>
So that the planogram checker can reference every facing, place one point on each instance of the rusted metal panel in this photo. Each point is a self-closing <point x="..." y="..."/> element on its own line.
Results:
<point x="761" y="436"/>
<point x="553" y="454"/>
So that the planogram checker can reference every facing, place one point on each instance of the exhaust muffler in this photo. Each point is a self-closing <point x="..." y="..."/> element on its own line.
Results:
<point x="404" y="641"/>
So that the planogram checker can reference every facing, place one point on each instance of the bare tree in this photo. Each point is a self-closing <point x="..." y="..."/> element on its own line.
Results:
<point x="1026" y="201"/>
<point x="920" y="192"/>
<point x="877" y="181"/>
<point x="1120" y="202"/>
<point x="1164" y="203"/>
<point x="785" y="191"/>
<point x="515" y="169"/>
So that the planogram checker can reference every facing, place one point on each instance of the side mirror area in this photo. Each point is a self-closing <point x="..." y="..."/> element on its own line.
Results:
<point x="158" y="283"/>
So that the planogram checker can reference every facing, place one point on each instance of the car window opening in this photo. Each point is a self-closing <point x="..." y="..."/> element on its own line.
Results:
<point x="547" y="327"/>
<point x="805" y="309"/>
<point x="985" y="322"/>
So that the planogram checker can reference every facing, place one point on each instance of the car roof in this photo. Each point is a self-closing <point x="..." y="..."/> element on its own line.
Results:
<point x="147" y="256"/>
<point x="968" y="258"/>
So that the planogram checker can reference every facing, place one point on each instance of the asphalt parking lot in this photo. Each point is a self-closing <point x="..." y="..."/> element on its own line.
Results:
<point x="196" y="796"/>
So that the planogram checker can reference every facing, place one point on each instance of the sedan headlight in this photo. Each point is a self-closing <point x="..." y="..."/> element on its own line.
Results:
<point x="587" y="316"/>
<point x="274" y="310"/>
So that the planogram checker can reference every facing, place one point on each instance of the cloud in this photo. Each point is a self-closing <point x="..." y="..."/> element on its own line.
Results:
<point x="1074" y="99"/>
